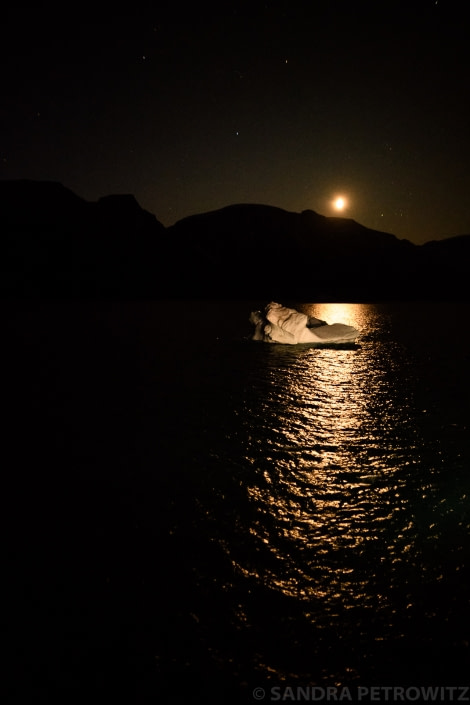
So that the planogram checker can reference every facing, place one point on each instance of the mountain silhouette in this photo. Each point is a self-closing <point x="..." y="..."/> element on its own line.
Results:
<point x="276" y="251"/>
<point x="56" y="244"/>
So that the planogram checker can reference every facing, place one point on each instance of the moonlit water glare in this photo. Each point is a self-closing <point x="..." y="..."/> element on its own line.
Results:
<point x="225" y="514"/>
<point x="345" y="512"/>
<point x="330" y="478"/>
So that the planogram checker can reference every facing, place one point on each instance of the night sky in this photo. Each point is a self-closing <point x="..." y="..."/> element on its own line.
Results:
<point x="285" y="103"/>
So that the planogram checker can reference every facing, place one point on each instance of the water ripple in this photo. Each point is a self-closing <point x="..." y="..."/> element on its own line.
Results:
<point x="338" y="469"/>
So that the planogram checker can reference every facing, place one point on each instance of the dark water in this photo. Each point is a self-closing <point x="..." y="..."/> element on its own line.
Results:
<point x="190" y="515"/>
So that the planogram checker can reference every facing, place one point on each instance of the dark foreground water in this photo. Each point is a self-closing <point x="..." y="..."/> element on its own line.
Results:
<point x="190" y="516"/>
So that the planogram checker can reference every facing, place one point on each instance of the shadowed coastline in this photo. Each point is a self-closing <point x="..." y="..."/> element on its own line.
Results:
<point x="58" y="245"/>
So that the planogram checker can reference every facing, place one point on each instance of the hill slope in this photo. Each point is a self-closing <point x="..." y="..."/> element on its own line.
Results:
<point x="56" y="244"/>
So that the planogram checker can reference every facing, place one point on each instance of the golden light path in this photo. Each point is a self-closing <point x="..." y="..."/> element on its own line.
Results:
<point x="357" y="315"/>
<point x="325" y="488"/>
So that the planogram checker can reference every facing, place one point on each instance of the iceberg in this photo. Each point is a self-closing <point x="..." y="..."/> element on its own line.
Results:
<point x="278" y="324"/>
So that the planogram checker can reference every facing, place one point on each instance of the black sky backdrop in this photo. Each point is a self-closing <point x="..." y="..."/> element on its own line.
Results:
<point x="191" y="107"/>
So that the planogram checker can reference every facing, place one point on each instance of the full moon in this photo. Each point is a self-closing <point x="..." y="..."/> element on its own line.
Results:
<point x="339" y="203"/>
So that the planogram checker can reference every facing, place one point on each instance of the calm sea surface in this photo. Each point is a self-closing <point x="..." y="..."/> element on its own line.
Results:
<point x="191" y="515"/>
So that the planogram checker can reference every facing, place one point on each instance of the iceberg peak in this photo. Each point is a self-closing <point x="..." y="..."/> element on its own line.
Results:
<point x="279" y="324"/>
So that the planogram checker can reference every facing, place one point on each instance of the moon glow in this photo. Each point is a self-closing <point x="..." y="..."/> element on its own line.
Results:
<point x="339" y="203"/>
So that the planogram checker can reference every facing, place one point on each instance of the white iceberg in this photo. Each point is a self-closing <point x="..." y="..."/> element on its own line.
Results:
<point x="278" y="324"/>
